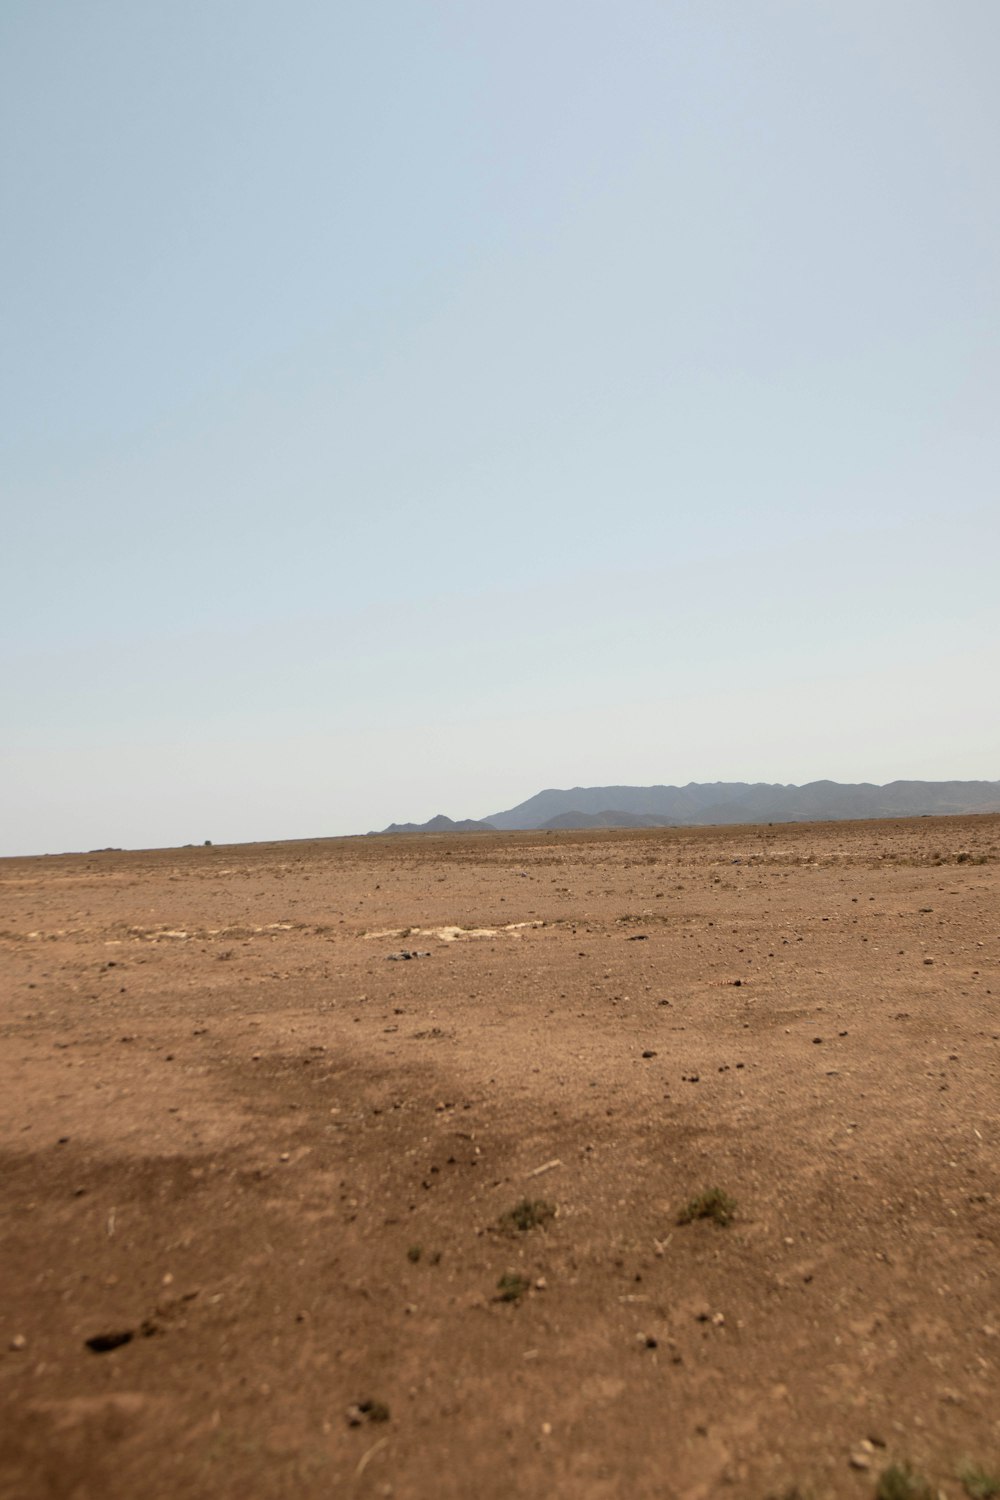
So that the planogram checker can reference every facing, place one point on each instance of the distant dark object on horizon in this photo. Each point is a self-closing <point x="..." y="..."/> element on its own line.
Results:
<point x="722" y="802"/>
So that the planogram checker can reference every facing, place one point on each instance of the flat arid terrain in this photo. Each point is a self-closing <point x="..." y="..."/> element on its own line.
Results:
<point x="286" y="1213"/>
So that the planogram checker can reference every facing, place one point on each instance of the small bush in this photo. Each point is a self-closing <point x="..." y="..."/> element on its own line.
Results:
<point x="511" y="1287"/>
<point x="898" y="1482"/>
<point x="528" y="1214"/>
<point x="978" y="1482"/>
<point x="714" y="1204"/>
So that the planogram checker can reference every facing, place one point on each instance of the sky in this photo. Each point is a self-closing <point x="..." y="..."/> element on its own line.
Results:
<point x="405" y="407"/>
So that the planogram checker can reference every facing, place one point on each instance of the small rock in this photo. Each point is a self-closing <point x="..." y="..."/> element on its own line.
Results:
<point x="18" y="1342"/>
<point x="861" y="1455"/>
<point x="367" y="1411"/>
<point x="103" y="1343"/>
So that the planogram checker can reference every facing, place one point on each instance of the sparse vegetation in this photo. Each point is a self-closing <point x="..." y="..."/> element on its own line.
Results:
<point x="979" y="1483"/>
<point x="713" y="1204"/>
<point x="899" y="1482"/>
<point x="530" y="1213"/>
<point x="461" y="1150"/>
<point x="511" y="1287"/>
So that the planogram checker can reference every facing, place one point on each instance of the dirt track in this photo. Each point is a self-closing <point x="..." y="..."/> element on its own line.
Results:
<point x="233" y="1127"/>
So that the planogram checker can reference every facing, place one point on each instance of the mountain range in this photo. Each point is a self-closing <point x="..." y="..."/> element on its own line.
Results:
<point x="722" y="802"/>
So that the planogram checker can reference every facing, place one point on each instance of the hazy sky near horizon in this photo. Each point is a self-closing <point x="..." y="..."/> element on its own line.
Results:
<point x="406" y="407"/>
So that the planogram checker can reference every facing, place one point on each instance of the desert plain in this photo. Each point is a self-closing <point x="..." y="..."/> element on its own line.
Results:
<point x="263" y="1176"/>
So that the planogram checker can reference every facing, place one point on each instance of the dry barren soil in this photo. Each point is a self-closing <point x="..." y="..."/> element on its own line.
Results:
<point x="264" y="1179"/>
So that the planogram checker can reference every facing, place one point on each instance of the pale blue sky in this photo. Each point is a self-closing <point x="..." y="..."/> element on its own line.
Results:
<point x="407" y="406"/>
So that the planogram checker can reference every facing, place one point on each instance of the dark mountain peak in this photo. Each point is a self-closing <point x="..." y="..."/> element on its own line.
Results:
<point x="440" y="824"/>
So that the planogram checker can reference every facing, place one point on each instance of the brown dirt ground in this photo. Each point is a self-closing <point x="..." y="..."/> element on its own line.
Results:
<point x="229" y="1122"/>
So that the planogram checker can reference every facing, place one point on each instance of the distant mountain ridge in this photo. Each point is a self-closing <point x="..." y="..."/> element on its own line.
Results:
<point x="722" y="802"/>
<point x="441" y="824"/>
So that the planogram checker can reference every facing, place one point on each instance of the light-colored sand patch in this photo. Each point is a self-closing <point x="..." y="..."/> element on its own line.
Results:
<point x="181" y="934"/>
<point x="450" y="934"/>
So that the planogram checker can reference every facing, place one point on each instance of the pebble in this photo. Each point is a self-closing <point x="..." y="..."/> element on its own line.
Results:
<point x="861" y="1456"/>
<point x="18" y="1342"/>
<point x="367" y="1411"/>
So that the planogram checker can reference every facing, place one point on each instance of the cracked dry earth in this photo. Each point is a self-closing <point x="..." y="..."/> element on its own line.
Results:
<point x="255" y="1163"/>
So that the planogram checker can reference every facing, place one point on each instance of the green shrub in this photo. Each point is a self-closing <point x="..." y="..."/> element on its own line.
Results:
<point x="511" y="1287"/>
<point x="713" y="1204"/>
<point x="978" y="1482"/>
<point x="528" y="1214"/>
<point x="898" y="1482"/>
